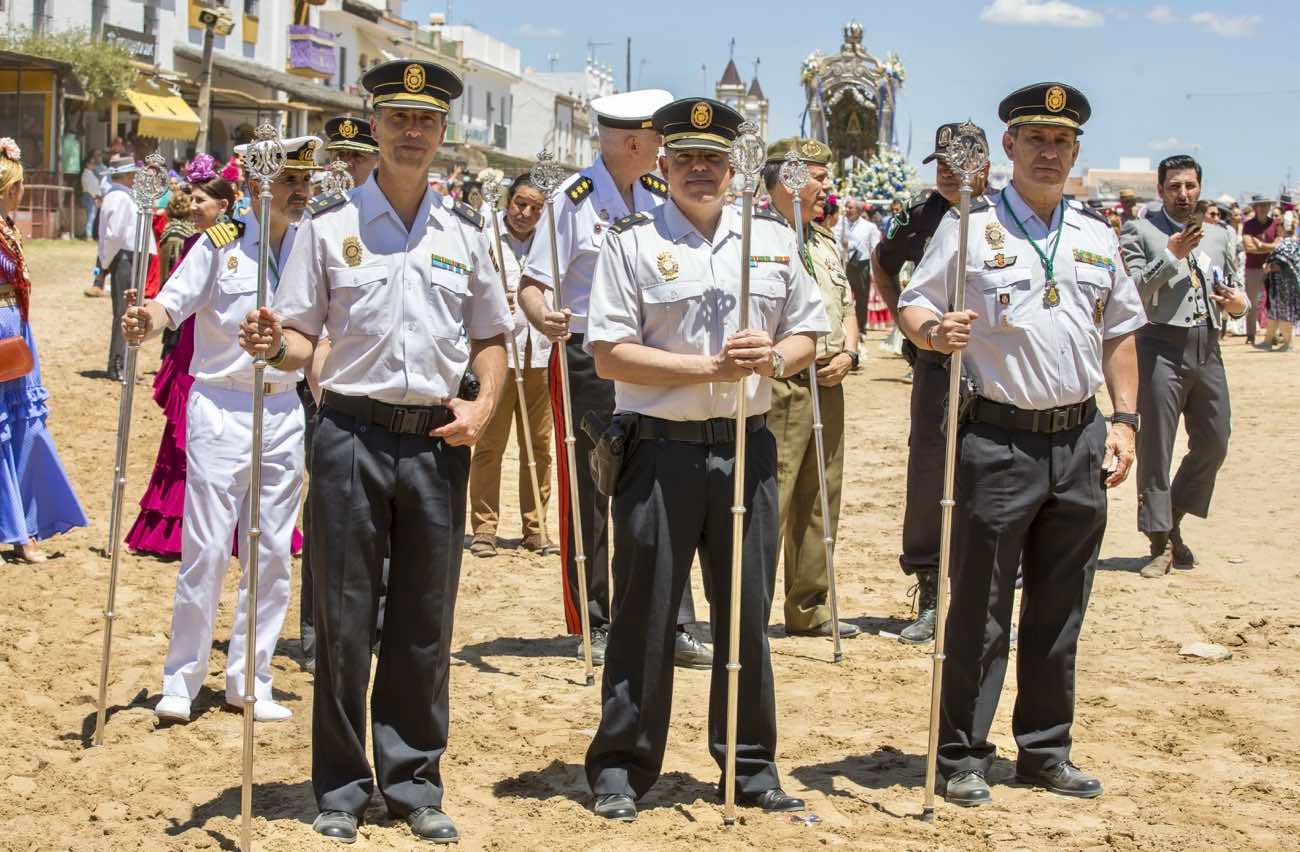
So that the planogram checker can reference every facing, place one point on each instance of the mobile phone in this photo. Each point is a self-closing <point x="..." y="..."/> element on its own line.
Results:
<point x="1196" y="220"/>
<point x="1218" y="285"/>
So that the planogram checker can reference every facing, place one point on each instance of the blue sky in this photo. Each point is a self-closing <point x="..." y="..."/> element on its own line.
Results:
<point x="1136" y="63"/>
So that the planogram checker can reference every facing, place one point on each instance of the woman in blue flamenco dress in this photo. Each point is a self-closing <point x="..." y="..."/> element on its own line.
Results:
<point x="36" y="498"/>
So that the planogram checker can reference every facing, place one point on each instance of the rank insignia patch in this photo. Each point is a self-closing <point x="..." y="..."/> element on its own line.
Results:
<point x="1098" y="311"/>
<point x="352" y="251"/>
<point x="232" y="262"/>
<point x="1000" y="261"/>
<point x="667" y="265"/>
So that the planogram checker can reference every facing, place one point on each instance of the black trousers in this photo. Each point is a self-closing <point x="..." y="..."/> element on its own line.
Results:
<point x="925" y="448"/>
<point x="675" y="500"/>
<point x="121" y="271"/>
<point x="306" y="629"/>
<point x="1182" y="375"/>
<point x="1036" y="500"/>
<point x="859" y="274"/>
<point x="371" y="488"/>
<point x="590" y="394"/>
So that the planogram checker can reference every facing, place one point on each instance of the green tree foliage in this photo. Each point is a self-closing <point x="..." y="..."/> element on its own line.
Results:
<point x="104" y="69"/>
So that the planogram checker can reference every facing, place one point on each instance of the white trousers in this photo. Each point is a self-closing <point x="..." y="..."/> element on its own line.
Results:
<point x="218" y="445"/>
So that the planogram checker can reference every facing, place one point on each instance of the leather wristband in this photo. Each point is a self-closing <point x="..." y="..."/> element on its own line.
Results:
<point x="1128" y="418"/>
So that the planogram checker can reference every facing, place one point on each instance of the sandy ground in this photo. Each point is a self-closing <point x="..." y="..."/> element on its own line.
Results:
<point x="1194" y="754"/>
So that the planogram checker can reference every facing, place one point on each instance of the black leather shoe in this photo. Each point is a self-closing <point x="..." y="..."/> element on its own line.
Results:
<point x="433" y="825"/>
<point x="1183" y="558"/>
<point x="615" y="806"/>
<point x="927" y="597"/>
<point x="968" y="789"/>
<point x="599" y="641"/>
<point x="691" y="653"/>
<point x="336" y="825"/>
<point x="1064" y="779"/>
<point x="774" y="800"/>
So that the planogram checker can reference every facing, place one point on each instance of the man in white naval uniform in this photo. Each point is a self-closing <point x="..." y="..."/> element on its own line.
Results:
<point x="217" y="283"/>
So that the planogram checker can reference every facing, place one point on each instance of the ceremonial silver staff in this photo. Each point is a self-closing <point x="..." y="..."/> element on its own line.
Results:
<point x="794" y="177"/>
<point x="338" y="178"/>
<point x="747" y="159"/>
<point x="966" y="154"/>
<point x="546" y="175"/>
<point x="149" y="185"/>
<point x="263" y="161"/>
<point x="492" y="194"/>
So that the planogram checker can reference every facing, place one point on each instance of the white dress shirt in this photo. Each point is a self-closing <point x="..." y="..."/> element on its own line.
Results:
<point x="1023" y="352"/>
<point x="663" y="284"/>
<point x="513" y="267"/>
<point x="219" y="287"/>
<point x="117" y="218"/>
<point x="580" y="229"/>
<point x="397" y="305"/>
<point x="859" y="237"/>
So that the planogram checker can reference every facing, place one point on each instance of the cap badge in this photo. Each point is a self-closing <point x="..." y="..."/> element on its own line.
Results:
<point x="809" y="148"/>
<point x="945" y="135"/>
<point x="347" y="129"/>
<point x="413" y="78"/>
<point x="994" y="236"/>
<point x="307" y="153"/>
<point x="668" y="263"/>
<point x="232" y="262"/>
<point x="352" y="251"/>
<point x="701" y="115"/>
<point x="1055" y="101"/>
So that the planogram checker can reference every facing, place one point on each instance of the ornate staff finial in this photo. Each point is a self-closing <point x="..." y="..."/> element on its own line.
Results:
<point x="338" y="178"/>
<point x="747" y="154"/>
<point x="967" y="154"/>
<point x="150" y="182"/>
<point x="492" y="192"/>
<point x="265" y="156"/>
<point x="546" y="173"/>
<point x="794" y="173"/>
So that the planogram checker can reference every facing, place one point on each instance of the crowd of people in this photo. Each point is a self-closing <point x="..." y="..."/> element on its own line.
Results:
<point x="413" y="320"/>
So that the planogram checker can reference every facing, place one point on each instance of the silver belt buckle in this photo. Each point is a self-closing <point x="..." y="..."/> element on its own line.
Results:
<point x="1060" y="420"/>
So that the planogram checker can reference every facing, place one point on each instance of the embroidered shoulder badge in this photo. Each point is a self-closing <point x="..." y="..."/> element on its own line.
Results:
<point x="224" y="233"/>
<point x="580" y="190"/>
<point x="326" y="201"/>
<point x="621" y="225"/>
<point x="469" y="214"/>
<point x="655" y="185"/>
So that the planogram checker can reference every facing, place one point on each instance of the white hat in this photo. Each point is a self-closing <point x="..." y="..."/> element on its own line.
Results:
<point x="300" y="152"/>
<point x="122" y="164"/>
<point x="436" y="177"/>
<point x="630" y="110"/>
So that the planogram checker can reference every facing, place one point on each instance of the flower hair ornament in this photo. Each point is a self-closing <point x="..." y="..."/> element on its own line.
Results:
<point x="231" y="171"/>
<point x="9" y="148"/>
<point x="201" y="169"/>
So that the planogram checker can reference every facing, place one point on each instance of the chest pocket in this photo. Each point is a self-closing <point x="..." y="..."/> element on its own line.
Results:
<point x="1002" y="297"/>
<point x="360" y="297"/>
<point x="236" y="292"/>
<point x="447" y="293"/>
<point x="767" y="295"/>
<point x="1094" y="286"/>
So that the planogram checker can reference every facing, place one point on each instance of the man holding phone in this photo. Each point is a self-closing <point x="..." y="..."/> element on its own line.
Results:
<point x="1186" y="270"/>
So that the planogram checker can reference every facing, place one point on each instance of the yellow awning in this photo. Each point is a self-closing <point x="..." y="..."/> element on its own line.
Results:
<point x="164" y="116"/>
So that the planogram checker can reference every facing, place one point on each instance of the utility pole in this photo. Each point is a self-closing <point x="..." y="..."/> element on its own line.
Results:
<point x="215" y="22"/>
<point x="628" y="88"/>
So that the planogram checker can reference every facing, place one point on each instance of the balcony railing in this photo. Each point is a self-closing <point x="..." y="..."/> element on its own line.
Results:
<point x="311" y="52"/>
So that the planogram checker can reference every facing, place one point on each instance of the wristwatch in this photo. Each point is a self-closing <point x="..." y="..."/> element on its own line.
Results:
<point x="278" y="358"/>
<point x="778" y="365"/>
<point x="853" y="356"/>
<point x="1128" y="418"/>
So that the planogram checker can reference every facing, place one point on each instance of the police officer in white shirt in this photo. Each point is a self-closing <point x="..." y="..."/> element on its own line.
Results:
<point x="408" y="294"/>
<point x="217" y="283"/>
<point x="616" y="185"/>
<point x="1052" y="314"/>
<point x="663" y="328"/>
<point x="117" y="220"/>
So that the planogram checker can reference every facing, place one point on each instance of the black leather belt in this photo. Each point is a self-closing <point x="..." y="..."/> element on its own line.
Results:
<point x="1047" y="422"/>
<point x="719" y="430"/>
<point x="401" y="419"/>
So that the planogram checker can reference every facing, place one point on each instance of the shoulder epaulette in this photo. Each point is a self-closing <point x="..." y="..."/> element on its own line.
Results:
<point x="978" y="205"/>
<point x="325" y="201"/>
<point x="823" y="230"/>
<point x="621" y="225"/>
<point x="655" y="185"/>
<point x="581" y="189"/>
<point x="469" y="214"/>
<point x="771" y="214"/>
<point x="920" y="199"/>
<point x="224" y="233"/>
<point x="1088" y="211"/>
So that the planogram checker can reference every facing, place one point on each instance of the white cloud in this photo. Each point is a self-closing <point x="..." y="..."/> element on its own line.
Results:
<point x="1233" y="26"/>
<point x="1161" y="14"/>
<point x="1173" y="143"/>
<point x="535" y="31"/>
<point x="1048" y="13"/>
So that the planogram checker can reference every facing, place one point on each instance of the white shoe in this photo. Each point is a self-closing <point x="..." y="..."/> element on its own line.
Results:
<point x="173" y="708"/>
<point x="264" y="710"/>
